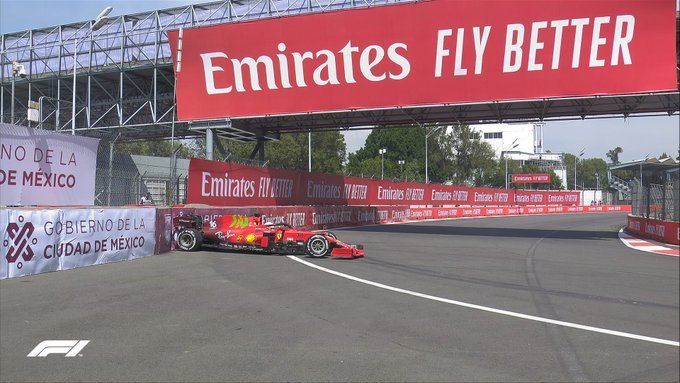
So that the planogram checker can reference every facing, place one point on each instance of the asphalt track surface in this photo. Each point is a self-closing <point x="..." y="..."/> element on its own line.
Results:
<point x="218" y="316"/>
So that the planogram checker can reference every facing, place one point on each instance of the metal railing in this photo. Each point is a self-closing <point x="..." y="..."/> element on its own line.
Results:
<point x="656" y="201"/>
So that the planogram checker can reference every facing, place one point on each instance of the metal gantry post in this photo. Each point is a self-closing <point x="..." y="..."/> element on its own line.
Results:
<point x="12" y="107"/>
<point x="208" y="144"/>
<point x="73" y="104"/>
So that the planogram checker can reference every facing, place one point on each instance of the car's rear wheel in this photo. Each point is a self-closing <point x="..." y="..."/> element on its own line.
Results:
<point x="317" y="246"/>
<point x="189" y="239"/>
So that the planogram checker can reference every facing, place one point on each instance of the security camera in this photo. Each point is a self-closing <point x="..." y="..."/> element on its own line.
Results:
<point x="18" y="69"/>
<point x="21" y="71"/>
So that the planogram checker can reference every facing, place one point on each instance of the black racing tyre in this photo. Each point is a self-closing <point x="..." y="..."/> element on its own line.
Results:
<point x="189" y="239"/>
<point x="317" y="246"/>
<point x="331" y="235"/>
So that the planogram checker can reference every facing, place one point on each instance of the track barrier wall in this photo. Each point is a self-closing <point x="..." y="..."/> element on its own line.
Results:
<point x="658" y="230"/>
<point x="327" y="217"/>
<point x="230" y="184"/>
<point x="38" y="240"/>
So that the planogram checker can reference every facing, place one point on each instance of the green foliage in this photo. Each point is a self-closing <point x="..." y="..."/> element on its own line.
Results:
<point x="613" y="155"/>
<point x="407" y="144"/>
<point x="454" y="154"/>
<point x="473" y="160"/>
<point x="586" y="170"/>
<point x="292" y="152"/>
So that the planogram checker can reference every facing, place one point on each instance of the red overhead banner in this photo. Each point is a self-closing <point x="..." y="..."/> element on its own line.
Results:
<point x="425" y="53"/>
<point x="228" y="184"/>
<point x="531" y="178"/>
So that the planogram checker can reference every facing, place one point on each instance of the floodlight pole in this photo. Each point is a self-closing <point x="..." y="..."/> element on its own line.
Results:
<point x="427" y="135"/>
<point x="506" y="169"/>
<point x="12" y="113"/>
<point x="575" y="162"/>
<point x="514" y="144"/>
<point x="382" y="162"/>
<point x="15" y="71"/>
<point x="73" y="102"/>
<point x="101" y="20"/>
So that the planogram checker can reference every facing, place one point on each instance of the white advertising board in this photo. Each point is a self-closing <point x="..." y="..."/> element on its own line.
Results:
<point x="41" y="240"/>
<point x="39" y="167"/>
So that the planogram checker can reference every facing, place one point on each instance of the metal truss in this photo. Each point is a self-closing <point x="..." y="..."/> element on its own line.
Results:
<point x="125" y="81"/>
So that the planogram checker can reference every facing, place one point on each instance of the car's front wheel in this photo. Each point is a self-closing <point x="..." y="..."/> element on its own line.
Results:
<point x="189" y="239"/>
<point x="317" y="246"/>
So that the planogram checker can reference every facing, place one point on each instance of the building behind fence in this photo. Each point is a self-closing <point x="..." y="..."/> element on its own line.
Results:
<point x="126" y="178"/>
<point x="122" y="179"/>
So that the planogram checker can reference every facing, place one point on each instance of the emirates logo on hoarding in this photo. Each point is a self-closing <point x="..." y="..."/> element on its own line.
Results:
<point x="17" y="244"/>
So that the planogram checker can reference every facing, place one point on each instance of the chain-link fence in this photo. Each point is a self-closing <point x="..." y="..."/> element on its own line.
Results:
<point x="657" y="201"/>
<point x="123" y="179"/>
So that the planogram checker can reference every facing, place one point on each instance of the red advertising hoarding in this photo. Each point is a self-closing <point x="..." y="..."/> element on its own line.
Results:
<point x="326" y="217"/>
<point x="531" y="178"/>
<point x="425" y="53"/>
<point x="228" y="184"/>
<point x="656" y="229"/>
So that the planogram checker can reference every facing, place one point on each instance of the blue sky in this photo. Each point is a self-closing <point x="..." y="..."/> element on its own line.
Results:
<point x="637" y="136"/>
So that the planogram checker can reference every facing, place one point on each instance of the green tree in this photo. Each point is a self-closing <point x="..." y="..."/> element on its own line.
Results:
<point x="586" y="170"/>
<point x="613" y="155"/>
<point x="400" y="143"/>
<point x="292" y="151"/>
<point x="473" y="159"/>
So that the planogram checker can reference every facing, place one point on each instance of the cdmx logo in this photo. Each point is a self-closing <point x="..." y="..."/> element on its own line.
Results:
<point x="17" y="244"/>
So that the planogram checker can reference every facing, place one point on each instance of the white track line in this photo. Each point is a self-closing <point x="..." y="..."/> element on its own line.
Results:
<point x="490" y="309"/>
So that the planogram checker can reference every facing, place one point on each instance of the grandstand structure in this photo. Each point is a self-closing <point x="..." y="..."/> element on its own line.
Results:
<point x="124" y="81"/>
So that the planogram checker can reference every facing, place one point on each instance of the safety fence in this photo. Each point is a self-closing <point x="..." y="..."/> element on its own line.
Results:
<point x="123" y="178"/>
<point x="656" y="201"/>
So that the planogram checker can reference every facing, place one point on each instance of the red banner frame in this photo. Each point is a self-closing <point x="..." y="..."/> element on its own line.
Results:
<point x="425" y="53"/>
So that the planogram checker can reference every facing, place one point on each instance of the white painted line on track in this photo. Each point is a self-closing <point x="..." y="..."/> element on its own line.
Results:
<point x="489" y="309"/>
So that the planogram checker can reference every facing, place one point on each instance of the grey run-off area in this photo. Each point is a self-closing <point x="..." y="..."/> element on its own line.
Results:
<point x="218" y="316"/>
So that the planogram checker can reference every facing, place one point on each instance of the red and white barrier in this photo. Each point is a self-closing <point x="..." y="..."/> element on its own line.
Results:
<point x="228" y="184"/>
<point x="664" y="231"/>
<point x="326" y="217"/>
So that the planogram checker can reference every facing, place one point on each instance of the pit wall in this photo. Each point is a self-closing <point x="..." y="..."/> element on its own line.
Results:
<point x="663" y="231"/>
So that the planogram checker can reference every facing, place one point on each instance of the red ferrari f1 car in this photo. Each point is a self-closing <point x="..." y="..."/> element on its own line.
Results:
<point x="236" y="232"/>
